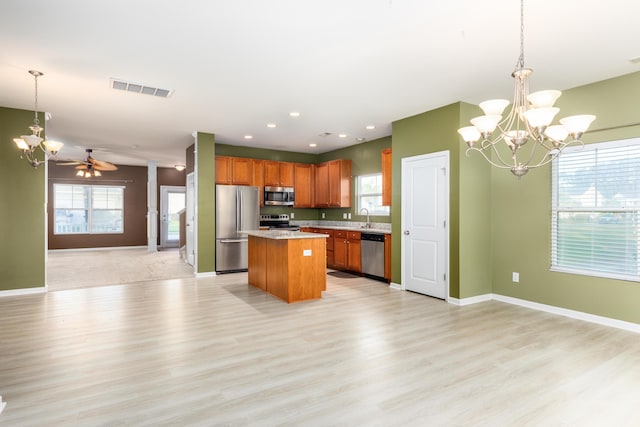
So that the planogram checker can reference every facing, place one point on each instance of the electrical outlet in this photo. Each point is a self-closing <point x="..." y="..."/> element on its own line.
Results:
<point x="322" y="215"/>
<point x="293" y="215"/>
<point x="515" y="277"/>
<point x="344" y="215"/>
<point x="349" y="215"/>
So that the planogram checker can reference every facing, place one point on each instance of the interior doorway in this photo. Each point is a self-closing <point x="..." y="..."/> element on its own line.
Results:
<point x="172" y="201"/>
<point x="425" y="221"/>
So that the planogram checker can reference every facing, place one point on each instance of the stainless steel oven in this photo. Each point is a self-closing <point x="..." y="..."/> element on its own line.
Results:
<point x="280" y="196"/>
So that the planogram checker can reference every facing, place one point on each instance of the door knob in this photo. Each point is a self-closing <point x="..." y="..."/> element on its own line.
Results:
<point x="406" y="232"/>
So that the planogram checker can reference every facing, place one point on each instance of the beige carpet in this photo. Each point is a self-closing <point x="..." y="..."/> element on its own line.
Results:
<point x="83" y="269"/>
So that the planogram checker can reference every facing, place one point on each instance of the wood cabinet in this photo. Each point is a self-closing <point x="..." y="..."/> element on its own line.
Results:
<point x="223" y="170"/>
<point x="278" y="174"/>
<point x="387" y="257"/>
<point x="333" y="184"/>
<point x="346" y="250"/>
<point x="258" y="178"/>
<point x="354" y="261"/>
<point x="329" y="240"/>
<point x="386" y="177"/>
<point x="304" y="178"/>
<point x="234" y="170"/>
<point x="322" y="185"/>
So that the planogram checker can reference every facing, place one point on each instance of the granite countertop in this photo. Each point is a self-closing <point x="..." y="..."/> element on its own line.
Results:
<point x="284" y="234"/>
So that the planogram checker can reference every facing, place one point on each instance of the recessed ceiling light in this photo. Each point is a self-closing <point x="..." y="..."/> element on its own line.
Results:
<point x="370" y="127"/>
<point x="342" y="135"/>
<point x="294" y="114"/>
<point x="313" y="145"/>
<point x="360" y="139"/>
<point x="271" y="125"/>
<point x="248" y="137"/>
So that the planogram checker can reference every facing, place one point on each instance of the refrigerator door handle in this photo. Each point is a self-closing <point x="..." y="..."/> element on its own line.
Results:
<point x="240" y="213"/>
<point x="232" y="240"/>
<point x="238" y="208"/>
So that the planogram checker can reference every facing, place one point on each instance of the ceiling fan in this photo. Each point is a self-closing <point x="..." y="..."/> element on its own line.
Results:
<point x="89" y="166"/>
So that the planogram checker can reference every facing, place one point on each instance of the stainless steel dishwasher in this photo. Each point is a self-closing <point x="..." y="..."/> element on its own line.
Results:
<point x="372" y="254"/>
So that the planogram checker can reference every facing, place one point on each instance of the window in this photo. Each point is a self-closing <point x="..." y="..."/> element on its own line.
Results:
<point x="370" y="194"/>
<point x="88" y="209"/>
<point x="596" y="210"/>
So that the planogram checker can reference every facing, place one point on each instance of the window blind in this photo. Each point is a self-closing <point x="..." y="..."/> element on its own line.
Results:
<point x="595" y="210"/>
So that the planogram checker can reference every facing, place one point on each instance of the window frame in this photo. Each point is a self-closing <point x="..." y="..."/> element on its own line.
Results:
<point x="89" y="209"/>
<point x="556" y="210"/>
<point x="360" y="195"/>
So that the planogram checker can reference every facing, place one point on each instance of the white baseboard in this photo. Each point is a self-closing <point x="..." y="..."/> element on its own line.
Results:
<point x="205" y="274"/>
<point x="108" y="248"/>
<point x="574" y="314"/>
<point x="470" y="300"/>
<point x="24" y="291"/>
<point x="395" y="286"/>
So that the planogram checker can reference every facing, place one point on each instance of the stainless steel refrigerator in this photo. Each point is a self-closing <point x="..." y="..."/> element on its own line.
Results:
<point x="237" y="209"/>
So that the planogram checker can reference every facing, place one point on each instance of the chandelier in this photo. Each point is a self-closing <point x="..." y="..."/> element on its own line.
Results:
<point x="528" y="120"/>
<point x="28" y="144"/>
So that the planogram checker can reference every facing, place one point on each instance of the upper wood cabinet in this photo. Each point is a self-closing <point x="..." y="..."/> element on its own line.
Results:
<point x="386" y="177"/>
<point x="322" y="185"/>
<point x="333" y="184"/>
<point x="258" y="178"/>
<point x="223" y="170"/>
<point x="340" y="183"/>
<point x="234" y="170"/>
<point x="278" y="174"/>
<point x="304" y="178"/>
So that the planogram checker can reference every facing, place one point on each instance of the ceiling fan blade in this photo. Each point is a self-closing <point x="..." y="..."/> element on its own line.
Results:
<point x="104" y="166"/>
<point x="73" y="163"/>
<point x="82" y="167"/>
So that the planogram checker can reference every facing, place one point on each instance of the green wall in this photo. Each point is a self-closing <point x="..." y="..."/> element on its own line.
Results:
<point x="22" y="208"/>
<point x="469" y="209"/>
<point x="205" y="166"/>
<point x="520" y="215"/>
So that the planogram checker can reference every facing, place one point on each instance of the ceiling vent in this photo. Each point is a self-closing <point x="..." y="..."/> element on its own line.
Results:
<point x="139" y="88"/>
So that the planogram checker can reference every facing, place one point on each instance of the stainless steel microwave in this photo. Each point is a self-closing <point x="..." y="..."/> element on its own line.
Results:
<point x="281" y="196"/>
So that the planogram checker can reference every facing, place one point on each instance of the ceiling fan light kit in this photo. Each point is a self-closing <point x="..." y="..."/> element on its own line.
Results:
<point x="529" y="119"/>
<point x="29" y="144"/>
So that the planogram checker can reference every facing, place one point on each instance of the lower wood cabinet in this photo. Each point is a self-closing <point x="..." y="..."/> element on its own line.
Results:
<point x="346" y="250"/>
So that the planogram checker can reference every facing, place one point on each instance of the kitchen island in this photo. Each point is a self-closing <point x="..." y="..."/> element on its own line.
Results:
<point x="290" y="265"/>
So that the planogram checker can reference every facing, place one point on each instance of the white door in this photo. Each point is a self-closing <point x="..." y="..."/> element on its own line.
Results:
<point x="172" y="201"/>
<point x="191" y="221"/>
<point x="425" y="211"/>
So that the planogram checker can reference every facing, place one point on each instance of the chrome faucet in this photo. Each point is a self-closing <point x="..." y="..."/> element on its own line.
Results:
<point x="368" y="225"/>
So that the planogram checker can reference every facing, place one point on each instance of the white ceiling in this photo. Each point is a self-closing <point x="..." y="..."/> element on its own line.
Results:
<point x="237" y="65"/>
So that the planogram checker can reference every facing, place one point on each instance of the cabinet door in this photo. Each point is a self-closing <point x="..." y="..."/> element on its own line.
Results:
<point x="223" y="170"/>
<point x="258" y="178"/>
<point x="286" y="172"/>
<point x="322" y="185"/>
<point x="386" y="177"/>
<point x="340" y="251"/>
<point x="242" y="171"/>
<point x="354" y="261"/>
<point x="340" y="183"/>
<point x="303" y="187"/>
<point x="271" y="173"/>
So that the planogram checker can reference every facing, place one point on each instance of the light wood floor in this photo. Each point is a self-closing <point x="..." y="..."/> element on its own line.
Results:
<point x="216" y="351"/>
